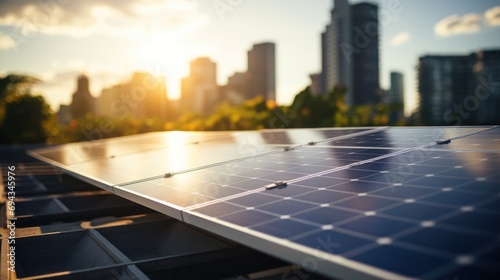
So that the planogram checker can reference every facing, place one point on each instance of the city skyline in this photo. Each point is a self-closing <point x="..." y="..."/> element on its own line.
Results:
<point x="109" y="50"/>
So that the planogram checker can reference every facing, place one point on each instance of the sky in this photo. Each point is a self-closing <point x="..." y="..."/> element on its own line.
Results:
<point x="57" y="40"/>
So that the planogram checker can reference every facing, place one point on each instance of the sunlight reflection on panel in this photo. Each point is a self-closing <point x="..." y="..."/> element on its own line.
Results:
<point x="89" y="150"/>
<point x="304" y="136"/>
<point x="147" y="164"/>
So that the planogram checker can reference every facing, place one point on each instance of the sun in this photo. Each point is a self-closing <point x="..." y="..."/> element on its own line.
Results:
<point x="168" y="58"/>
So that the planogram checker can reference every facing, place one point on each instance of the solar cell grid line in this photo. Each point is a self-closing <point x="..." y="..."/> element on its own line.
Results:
<point x="101" y="148"/>
<point x="167" y="198"/>
<point x="312" y="260"/>
<point x="115" y="171"/>
<point x="345" y="201"/>
<point x="436" y="221"/>
<point x="273" y="166"/>
<point x="405" y="137"/>
<point x="485" y="141"/>
<point x="384" y="240"/>
<point x="358" y="163"/>
<point x="222" y="163"/>
<point x="486" y="130"/>
<point x="301" y="136"/>
<point x="345" y="136"/>
<point x="428" y="223"/>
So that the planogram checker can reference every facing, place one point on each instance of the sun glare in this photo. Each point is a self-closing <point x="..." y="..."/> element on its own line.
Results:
<point x="166" y="58"/>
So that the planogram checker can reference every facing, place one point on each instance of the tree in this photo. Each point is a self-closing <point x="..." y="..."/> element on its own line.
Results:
<point x="310" y="110"/>
<point x="13" y="84"/>
<point x="23" y="117"/>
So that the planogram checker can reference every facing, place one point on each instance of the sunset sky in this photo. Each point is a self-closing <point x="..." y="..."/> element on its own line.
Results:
<point x="108" y="40"/>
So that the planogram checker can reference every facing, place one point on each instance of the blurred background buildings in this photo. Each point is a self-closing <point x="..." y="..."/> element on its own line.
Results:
<point x="459" y="89"/>
<point x="450" y="87"/>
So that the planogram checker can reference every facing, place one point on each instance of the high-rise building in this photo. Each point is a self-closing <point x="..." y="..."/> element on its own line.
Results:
<point x="82" y="101"/>
<point x="337" y="67"/>
<point x="459" y="89"/>
<point x="395" y="97"/>
<point x="199" y="91"/>
<point x="235" y="90"/>
<point x="396" y="92"/>
<point x="365" y="55"/>
<point x="350" y="52"/>
<point x="440" y="81"/>
<point x="144" y="96"/>
<point x="64" y="114"/>
<point x="487" y="87"/>
<point x="261" y="73"/>
<point x="316" y="86"/>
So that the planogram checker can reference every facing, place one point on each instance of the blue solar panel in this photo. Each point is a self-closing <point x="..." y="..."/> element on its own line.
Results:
<point x="411" y="213"/>
<point x="387" y="203"/>
<point x="403" y="137"/>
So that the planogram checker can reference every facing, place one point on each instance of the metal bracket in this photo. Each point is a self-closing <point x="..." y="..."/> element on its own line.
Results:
<point x="277" y="184"/>
<point x="443" y="142"/>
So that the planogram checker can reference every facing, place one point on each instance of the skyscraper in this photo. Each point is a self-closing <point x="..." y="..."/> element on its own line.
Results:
<point x="199" y="90"/>
<point x="316" y="87"/>
<point x="235" y="90"/>
<point x="82" y="101"/>
<point x="459" y="89"/>
<point x="144" y="96"/>
<point x="487" y="89"/>
<point x="395" y="97"/>
<point x="440" y="80"/>
<point x="365" y="54"/>
<point x="396" y="92"/>
<point x="350" y="51"/>
<point x="336" y="67"/>
<point x="261" y="74"/>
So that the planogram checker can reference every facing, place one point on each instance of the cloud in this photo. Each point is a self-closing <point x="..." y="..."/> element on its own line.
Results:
<point x="455" y="24"/>
<point x="469" y="23"/>
<point x="492" y="16"/>
<point x="124" y="18"/>
<point x="400" y="39"/>
<point x="6" y="42"/>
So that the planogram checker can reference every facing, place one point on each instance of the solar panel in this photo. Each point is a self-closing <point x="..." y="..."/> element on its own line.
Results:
<point x="99" y="148"/>
<point x="386" y="203"/>
<point x="403" y="137"/>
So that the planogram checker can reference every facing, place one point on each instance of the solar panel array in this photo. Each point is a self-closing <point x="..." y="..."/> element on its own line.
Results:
<point x="372" y="203"/>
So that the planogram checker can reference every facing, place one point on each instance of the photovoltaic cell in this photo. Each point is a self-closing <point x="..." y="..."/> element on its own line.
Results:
<point x="97" y="148"/>
<point x="303" y="136"/>
<point x="403" y="137"/>
<point x="484" y="141"/>
<point x="123" y="169"/>
<point x="387" y="203"/>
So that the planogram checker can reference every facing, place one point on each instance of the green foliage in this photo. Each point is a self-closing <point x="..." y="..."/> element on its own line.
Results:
<point x="307" y="110"/>
<point x="12" y="85"/>
<point x="252" y="114"/>
<point x="25" y="120"/>
<point x="310" y="110"/>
